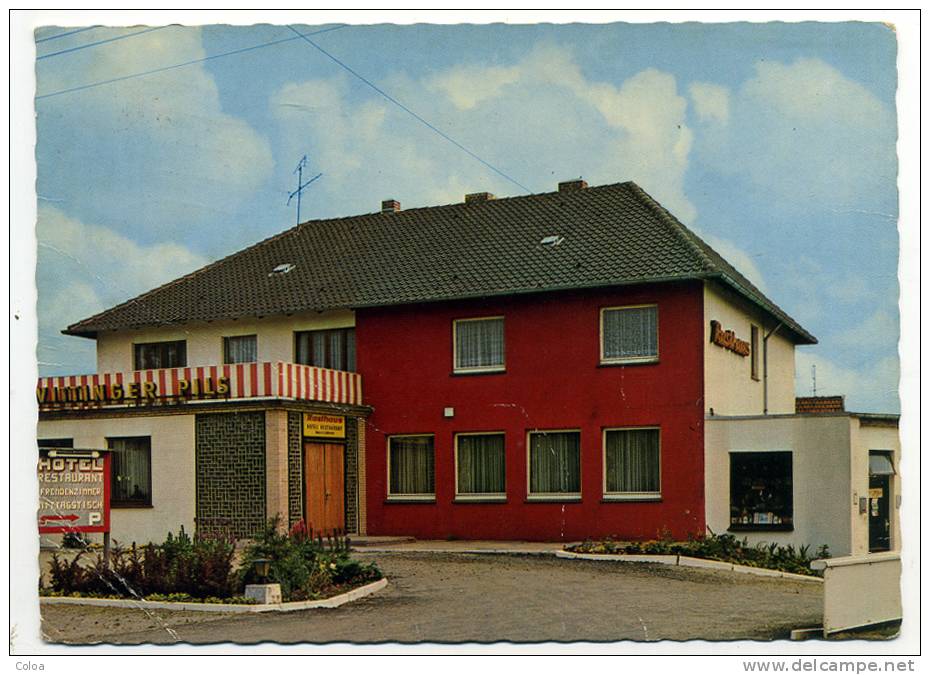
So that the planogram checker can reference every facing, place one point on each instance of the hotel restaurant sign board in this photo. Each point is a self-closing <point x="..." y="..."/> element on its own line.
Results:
<point x="74" y="491"/>
<point x="324" y="426"/>
<point x="728" y="340"/>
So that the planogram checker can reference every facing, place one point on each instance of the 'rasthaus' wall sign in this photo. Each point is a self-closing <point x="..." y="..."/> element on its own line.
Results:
<point x="728" y="340"/>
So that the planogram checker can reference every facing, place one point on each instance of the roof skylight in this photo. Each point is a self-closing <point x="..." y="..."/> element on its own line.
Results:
<point x="283" y="268"/>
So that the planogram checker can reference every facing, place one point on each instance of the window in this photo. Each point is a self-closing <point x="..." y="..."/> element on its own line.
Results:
<point x="760" y="491"/>
<point x="631" y="463"/>
<point x="411" y="463"/>
<point x="327" y="348"/>
<point x="240" y="349"/>
<point x="629" y="335"/>
<point x="130" y="471"/>
<point x="151" y="355"/>
<point x="754" y="351"/>
<point x="479" y="463"/>
<point x="555" y="464"/>
<point x="479" y="345"/>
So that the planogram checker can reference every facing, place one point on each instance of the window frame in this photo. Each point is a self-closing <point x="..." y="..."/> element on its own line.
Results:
<point x="137" y="345"/>
<point x="553" y="496"/>
<point x="760" y="527"/>
<point x="227" y="338"/>
<point x="626" y="360"/>
<point x="755" y="333"/>
<point x="628" y="496"/>
<point x="476" y="370"/>
<point x="478" y="496"/>
<point x="116" y="503"/>
<point x="421" y="497"/>
<point x="341" y="329"/>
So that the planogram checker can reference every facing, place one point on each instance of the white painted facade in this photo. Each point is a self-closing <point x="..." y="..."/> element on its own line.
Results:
<point x="205" y="340"/>
<point x="173" y="470"/>
<point x="729" y="388"/>
<point x="830" y="472"/>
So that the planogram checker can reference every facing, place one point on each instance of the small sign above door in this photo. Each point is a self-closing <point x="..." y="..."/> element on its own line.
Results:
<point x="324" y="426"/>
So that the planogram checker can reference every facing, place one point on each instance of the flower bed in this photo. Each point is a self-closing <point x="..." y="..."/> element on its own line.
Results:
<point x="186" y="569"/>
<point x="724" y="548"/>
<point x="307" y="567"/>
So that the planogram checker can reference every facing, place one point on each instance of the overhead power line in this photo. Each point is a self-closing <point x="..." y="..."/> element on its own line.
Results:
<point x="99" y="42"/>
<point x="163" y="69"/>
<point x="66" y="34"/>
<point x="408" y="110"/>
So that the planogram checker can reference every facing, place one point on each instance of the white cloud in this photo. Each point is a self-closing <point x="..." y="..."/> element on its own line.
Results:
<point x="159" y="147"/>
<point x="711" y="102"/>
<point x="739" y="258"/>
<point x="804" y="133"/>
<point x="540" y="116"/>
<point x="83" y="269"/>
<point x="877" y="331"/>
<point x="468" y="86"/>
<point x="868" y="387"/>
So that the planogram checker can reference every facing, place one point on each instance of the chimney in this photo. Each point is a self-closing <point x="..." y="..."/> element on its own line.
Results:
<point x="390" y="206"/>
<point x="478" y="197"/>
<point x="572" y="185"/>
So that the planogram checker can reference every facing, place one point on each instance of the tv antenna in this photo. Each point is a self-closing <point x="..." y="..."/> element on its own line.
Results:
<point x="814" y="378"/>
<point x="300" y="184"/>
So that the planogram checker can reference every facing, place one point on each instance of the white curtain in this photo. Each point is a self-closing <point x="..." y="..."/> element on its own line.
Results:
<point x="555" y="462"/>
<point x="481" y="464"/>
<point x="327" y="348"/>
<point x="131" y="470"/>
<point x="630" y="333"/>
<point x="632" y="457"/>
<point x="412" y="466"/>
<point x="479" y="344"/>
<point x="242" y="349"/>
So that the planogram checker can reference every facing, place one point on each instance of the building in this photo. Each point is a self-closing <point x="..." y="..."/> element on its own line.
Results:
<point x="550" y="367"/>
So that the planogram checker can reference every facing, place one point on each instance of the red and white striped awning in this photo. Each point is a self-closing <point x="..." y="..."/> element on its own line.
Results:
<point x="200" y="383"/>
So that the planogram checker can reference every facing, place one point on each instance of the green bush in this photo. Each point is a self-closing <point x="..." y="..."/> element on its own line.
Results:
<point x="195" y="567"/>
<point x="723" y="547"/>
<point x="306" y="567"/>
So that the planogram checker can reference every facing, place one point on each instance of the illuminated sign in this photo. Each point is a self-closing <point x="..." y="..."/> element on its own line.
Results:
<point x="132" y="392"/>
<point x="74" y="491"/>
<point x="325" y="426"/>
<point x="728" y="340"/>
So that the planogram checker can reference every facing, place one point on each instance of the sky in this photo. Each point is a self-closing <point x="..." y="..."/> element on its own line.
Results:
<point x="775" y="142"/>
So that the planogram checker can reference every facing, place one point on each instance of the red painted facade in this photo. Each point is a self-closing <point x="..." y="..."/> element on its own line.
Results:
<point x="553" y="380"/>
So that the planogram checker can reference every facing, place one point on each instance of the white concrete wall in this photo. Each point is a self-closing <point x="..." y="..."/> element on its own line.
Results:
<point x="866" y="437"/>
<point x="860" y="591"/>
<point x="205" y="340"/>
<point x="820" y="447"/>
<point x="173" y="482"/>
<point x="728" y="385"/>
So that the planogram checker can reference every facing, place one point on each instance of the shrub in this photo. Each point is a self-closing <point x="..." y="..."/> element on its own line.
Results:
<point x="304" y="566"/>
<point x="725" y="547"/>
<point x="196" y="567"/>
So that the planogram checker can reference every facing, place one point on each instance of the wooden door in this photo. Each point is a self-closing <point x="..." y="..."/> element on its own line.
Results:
<point x="324" y="487"/>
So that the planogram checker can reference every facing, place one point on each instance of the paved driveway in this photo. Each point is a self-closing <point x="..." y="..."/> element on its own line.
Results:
<point x="488" y="598"/>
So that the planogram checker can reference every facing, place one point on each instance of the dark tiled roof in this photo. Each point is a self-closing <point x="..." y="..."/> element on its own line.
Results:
<point x="819" y="404"/>
<point x="612" y="235"/>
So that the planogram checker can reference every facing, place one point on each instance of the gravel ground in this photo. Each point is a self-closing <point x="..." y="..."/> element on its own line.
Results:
<point x="489" y="598"/>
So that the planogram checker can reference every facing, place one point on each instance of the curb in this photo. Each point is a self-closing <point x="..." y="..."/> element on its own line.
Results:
<point x="687" y="561"/>
<point x="470" y="551"/>
<point x="328" y="603"/>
